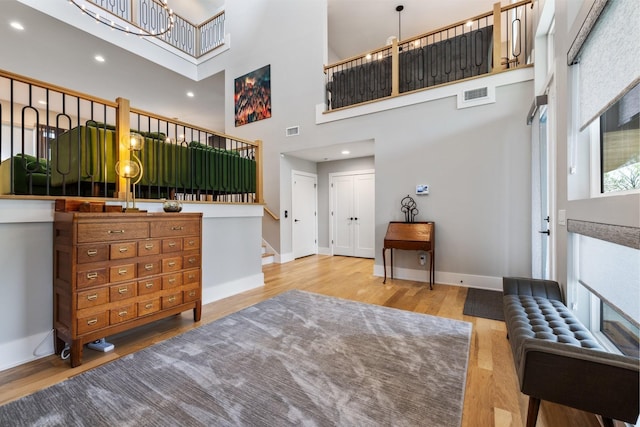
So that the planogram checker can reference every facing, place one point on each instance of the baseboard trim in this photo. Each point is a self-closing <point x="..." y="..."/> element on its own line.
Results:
<point x="443" y="277"/>
<point x="224" y="290"/>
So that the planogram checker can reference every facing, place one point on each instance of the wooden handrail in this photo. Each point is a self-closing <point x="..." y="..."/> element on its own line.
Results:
<point x="494" y="12"/>
<point x="271" y="214"/>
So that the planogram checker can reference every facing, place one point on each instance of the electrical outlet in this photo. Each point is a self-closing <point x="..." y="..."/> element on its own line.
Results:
<point x="423" y="259"/>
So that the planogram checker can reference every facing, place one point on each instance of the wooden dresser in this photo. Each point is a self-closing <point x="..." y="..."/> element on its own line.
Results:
<point x="116" y="271"/>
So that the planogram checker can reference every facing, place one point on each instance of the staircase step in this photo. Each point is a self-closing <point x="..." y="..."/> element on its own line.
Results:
<point x="267" y="258"/>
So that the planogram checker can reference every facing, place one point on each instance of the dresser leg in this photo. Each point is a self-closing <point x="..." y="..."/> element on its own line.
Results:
<point x="60" y="344"/>
<point x="76" y="354"/>
<point x="197" y="311"/>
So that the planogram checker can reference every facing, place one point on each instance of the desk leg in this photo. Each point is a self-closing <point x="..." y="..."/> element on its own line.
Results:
<point x="384" y="265"/>
<point x="432" y="270"/>
<point x="391" y="249"/>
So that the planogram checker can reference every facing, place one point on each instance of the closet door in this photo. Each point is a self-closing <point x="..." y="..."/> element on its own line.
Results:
<point x="364" y="207"/>
<point x="343" y="223"/>
<point x="352" y="214"/>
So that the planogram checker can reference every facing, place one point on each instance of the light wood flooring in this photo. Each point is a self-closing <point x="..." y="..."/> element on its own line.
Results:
<point x="492" y="395"/>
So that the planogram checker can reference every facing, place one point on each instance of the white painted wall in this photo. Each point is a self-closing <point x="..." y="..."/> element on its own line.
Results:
<point x="476" y="159"/>
<point x="231" y="263"/>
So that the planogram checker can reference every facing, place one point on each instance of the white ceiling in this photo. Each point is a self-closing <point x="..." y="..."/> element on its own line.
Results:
<point x="355" y="26"/>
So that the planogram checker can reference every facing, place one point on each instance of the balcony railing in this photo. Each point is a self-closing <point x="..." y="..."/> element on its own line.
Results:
<point x="150" y="16"/>
<point x="489" y="43"/>
<point x="57" y="142"/>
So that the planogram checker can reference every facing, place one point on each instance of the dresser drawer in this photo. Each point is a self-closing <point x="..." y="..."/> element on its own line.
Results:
<point x="191" y="294"/>
<point x="149" y="286"/>
<point x="191" y="276"/>
<point x="171" y="264"/>
<point x="149" y="247"/>
<point x="118" y="273"/>
<point x="191" y="243"/>
<point x="174" y="227"/>
<point x="148" y="307"/>
<point x="171" y="245"/>
<point x="92" y="298"/>
<point x="93" y="277"/>
<point x="124" y="313"/>
<point x="171" y="281"/>
<point x="149" y="268"/>
<point x="123" y="291"/>
<point x="191" y="261"/>
<point x="123" y="250"/>
<point x="171" y="300"/>
<point x="93" y="253"/>
<point x="93" y="322"/>
<point x="108" y="232"/>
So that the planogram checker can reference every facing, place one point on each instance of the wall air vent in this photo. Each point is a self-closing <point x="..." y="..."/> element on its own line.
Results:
<point x="476" y="96"/>
<point x="292" y="131"/>
<point x="475" y="93"/>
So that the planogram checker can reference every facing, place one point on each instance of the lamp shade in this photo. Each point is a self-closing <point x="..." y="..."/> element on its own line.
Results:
<point x="136" y="142"/>
<point x="127" y="169"/>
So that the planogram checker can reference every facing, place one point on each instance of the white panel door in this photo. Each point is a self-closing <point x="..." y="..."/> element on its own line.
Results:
<point x="305" y="227"/>
<point x="352" y="214"/>
<point x="343" y="222"/>
<point x="364" y="207"/>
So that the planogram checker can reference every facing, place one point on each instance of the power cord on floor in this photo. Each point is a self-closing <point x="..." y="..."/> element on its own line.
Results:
<point x="35" y="350"/>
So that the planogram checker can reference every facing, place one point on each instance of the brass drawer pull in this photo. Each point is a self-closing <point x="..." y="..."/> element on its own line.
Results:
<point x="92" y="297"/>
<point x="122" y="271"/>
<point x="148" y="267"/>
<point x="192" y="276"/>
<point x="149" y="285"/>
<point x="123" y="249"/>
<point x="172" y="244"/>
<point x="92" y="276"/>
<point x="148" y="306"/>
<point x="172" y="281"/>
<point x="92" y="252"/>
<point x="123" y="290"/>
<point x="192" y="293"/>
<point x="92" y="322"/>
<point x="148" y="246"/>
<point x="192" y="260"/>
<point x="171" y="264"/>
<point x="172" y="299"/>
<point x="191" y="242"/>
<point x="122" y="313"/>
<point x="115" y="231"/>
<point x="177" y="227"/>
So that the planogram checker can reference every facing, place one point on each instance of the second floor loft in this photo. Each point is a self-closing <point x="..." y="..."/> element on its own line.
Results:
<point x="498" y="40"/>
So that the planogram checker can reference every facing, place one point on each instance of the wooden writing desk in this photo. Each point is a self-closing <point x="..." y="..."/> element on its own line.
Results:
<point x="416" y="236"/>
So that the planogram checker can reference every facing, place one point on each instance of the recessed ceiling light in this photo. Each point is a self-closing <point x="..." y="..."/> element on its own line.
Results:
<point x="345" y="152"/>
<point x="190" y="94"/>
<point x="99" y="58"/>
<point x="16" y="25"/>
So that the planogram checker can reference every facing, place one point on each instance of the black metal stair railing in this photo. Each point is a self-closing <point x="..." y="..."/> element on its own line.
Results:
<point x="56" y="142"/>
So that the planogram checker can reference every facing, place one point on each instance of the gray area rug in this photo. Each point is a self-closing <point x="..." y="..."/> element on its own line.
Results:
<point x="296" y="359"/>
<point x="484" y="303"/>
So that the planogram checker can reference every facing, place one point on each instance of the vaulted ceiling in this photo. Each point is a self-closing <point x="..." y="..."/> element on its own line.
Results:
<point x="354" y="26"/>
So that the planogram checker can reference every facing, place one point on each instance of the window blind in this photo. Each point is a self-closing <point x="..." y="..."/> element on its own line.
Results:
<point x="613" y="272"/>
<point x="608" y="59"/>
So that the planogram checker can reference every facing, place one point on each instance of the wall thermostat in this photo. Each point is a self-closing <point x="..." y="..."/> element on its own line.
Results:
<point x="422" y="189"/>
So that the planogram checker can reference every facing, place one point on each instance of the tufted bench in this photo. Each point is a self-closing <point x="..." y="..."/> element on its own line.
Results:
<point x="557" y="359"/>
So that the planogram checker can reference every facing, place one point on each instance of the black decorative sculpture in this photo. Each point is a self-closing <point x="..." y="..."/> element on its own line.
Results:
<point x="409" y="208"/>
